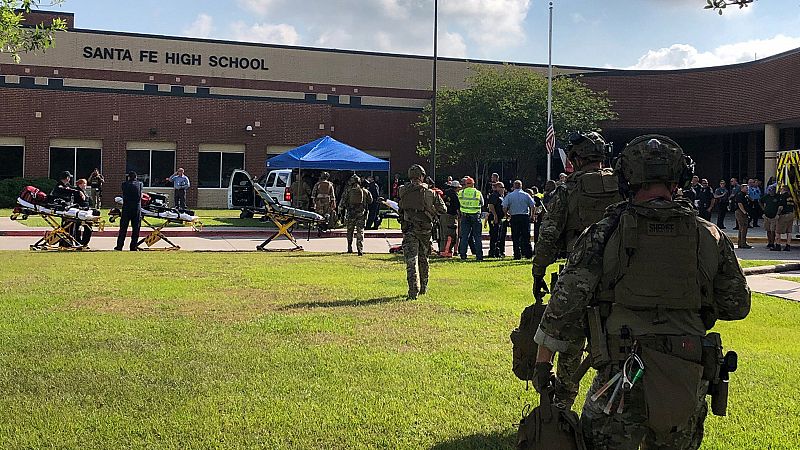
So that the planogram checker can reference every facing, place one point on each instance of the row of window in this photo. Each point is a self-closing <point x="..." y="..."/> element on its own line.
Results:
<point x="152" y="166"/>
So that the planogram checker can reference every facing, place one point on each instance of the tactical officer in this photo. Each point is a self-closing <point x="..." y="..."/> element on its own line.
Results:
<point x="324" y="197"/>
<point x="418" y="207"/>
<point x="577" y="203"/>
<point x="300" y="193"/>
<point x="355" y="201"/>
<point x="654" y="278"/>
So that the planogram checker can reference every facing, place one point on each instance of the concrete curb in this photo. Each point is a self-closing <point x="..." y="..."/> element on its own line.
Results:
<point x="788" y="267"/>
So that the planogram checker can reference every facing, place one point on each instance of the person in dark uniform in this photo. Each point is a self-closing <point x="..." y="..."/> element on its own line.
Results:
<point x="373" y="222"/>
<point x="64" y="191"/>
<point x="497" y="222"/>
<point x="131" y="211"/>
<point x="83" y="233"/>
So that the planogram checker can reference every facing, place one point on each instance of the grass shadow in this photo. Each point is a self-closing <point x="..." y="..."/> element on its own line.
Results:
<point x="342" y="303"/>
<point x="491" y="441"/>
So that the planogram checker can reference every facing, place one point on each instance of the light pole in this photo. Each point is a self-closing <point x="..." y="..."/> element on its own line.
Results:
<point x="435" y="87"/>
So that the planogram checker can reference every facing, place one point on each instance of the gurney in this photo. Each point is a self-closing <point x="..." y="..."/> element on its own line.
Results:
<point x="155" y="206"/>
<point x="284" y="217"/>
<point x="63" y="217"/>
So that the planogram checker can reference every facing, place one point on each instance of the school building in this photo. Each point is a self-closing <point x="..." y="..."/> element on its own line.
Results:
<point x="124" y="101"/>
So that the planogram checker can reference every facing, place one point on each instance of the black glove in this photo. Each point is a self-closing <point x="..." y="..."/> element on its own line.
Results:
<point x="539" y="288"/>
<point x="543" y="377"/>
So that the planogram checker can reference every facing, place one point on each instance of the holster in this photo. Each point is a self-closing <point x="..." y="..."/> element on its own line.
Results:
<point x="598" y="339"/>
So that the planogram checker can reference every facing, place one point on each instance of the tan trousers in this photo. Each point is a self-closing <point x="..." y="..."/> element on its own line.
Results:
<point x="742" y="221"/>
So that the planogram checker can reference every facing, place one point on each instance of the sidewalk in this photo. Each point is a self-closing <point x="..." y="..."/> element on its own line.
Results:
<point x="771" y="284"/>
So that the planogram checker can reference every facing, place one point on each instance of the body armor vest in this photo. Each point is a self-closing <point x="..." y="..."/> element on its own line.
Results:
<point x="412" y="198"/>
<point x="655" y="260"/>
<point x="588" y="196"/>
<point x="324" y="189"/>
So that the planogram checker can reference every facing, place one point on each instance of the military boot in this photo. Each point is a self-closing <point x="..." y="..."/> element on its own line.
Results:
<point x="423" y="290"/>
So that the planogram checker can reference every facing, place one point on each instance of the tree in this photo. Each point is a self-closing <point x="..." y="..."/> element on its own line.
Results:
<point x="720" y="5"/>
<point x="502" y="116"/>
<point x="17" y="37"/>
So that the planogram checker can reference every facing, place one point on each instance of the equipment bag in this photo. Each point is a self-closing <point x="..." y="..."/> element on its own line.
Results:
<point x="549" y="427"/>
<point x="356" y="197"/>
<point x="34" y="195"/>
<point x="523" y="347"/>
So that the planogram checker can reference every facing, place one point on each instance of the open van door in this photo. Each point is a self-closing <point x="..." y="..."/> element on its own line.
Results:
<point x="240" y="192"/>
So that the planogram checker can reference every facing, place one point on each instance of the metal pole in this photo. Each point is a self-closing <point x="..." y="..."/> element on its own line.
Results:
<point x="550" y="86"/>
<point x="435" y="87"/>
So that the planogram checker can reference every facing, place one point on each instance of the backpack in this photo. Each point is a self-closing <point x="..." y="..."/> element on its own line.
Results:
<point x="549" y="427"/>
<point x="34" y="195"/>
<point x="523" y="347"/>
<point x="355" y="197"/>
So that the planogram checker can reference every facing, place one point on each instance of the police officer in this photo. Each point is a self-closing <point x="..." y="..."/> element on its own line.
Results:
<point x="324" y="198"/>
<point x="418" y="207"/>
<point x="131" y="212"/>
<point x="355" y="201"/>
<point x="577" y="203"/>
<point x="655" y="278"/>
<point x="300" y="193"/>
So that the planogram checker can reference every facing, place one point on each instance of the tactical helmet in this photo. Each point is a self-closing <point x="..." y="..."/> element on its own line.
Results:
<point x="354" y="180"/>
<point x="653" y="158"/>
<point x="324" y="176"/>
<point x="416" y="171"/>
<point x="589" y="147"/>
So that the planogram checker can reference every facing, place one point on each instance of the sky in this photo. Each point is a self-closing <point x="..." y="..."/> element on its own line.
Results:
<point x="630" y="34"/>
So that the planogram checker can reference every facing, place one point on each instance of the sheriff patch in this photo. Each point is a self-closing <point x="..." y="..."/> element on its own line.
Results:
<point x="661" y="229"/>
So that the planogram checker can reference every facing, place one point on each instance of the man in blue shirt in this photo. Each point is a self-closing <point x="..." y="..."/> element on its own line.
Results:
<point x="754" y="192"/>
<point x="520" y="206"/>
<point x="181" y="184"/>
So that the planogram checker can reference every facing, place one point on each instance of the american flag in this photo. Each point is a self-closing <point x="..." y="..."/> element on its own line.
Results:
<point x="550" y="138"/>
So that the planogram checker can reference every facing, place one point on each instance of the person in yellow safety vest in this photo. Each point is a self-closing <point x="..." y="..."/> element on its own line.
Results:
<point x="471" y="202"/>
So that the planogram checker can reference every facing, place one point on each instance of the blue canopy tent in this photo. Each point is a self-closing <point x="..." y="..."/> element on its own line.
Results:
<point x="327" y="153"/>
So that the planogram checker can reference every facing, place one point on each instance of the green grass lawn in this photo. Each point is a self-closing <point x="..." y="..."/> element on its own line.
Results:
<point x="758" y="262"/>
<point x="213" y="350"/>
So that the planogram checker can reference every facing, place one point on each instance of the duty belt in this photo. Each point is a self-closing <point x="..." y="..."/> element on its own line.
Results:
<point x="685" y="347"/>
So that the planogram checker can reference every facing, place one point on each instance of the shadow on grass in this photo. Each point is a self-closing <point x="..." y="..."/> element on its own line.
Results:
<point x="493" y="441"/>
<point x="341" y="303"/>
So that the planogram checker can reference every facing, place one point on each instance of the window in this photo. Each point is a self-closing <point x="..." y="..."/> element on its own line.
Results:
<point x="80" y="162"/>
<point x="215" y="168"/>
<point x="152" y="167"/>
<point x="12" y="158"/>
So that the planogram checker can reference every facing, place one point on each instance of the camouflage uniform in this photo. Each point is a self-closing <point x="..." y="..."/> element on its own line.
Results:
<point x="355" y="214"/>
<point x="324" y="200"/>
<point x="300" y="194"/>
<point x="555" y="239"/>
<point x="595" y="272"/>
<point x="418" y="206"/>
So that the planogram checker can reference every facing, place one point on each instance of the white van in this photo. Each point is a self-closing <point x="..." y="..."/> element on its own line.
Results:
<point x="276" y="183"/>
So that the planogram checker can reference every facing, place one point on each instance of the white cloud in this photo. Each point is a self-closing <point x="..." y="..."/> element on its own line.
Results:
<point x="260" y="7"/>
<point x="400" y="26"/>
<point x="490" y="23"/>
<point x="684" y="56"/>
<point x="202" y="27"/>
<point x="265" y="33"/>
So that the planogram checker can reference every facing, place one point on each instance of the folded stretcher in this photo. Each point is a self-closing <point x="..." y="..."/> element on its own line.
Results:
<point x="156" y="206"/>
<point x="63" y="217"/>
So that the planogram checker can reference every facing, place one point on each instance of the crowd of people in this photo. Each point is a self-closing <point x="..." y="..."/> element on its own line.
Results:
<point x="750" y="203"/>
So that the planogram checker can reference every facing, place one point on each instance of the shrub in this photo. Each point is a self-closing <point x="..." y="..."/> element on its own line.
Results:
<point x="11" y="187"/>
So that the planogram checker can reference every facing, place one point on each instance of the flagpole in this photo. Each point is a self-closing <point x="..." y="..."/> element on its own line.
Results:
<point x="435" y="87"/>
<point x="550" y="86"/>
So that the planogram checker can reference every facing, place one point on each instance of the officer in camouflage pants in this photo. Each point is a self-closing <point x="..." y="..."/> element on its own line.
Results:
<point x="575" y="205"/>
<point x="355" y="201"/>
<point x="418" y="206"/>
<point x="655" y="278"/>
